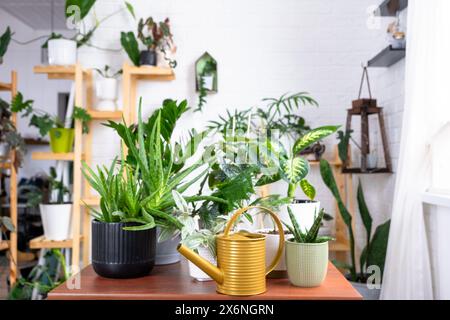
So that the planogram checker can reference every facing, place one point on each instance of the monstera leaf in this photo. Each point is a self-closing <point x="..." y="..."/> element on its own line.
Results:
<point x="294" y="169"/>
<point x="130" y="45"/>
<point x="313" y="136"/>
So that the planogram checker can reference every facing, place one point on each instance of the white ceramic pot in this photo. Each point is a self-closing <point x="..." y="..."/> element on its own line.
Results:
<point x="56" y="220"/>
<point x="4" y="150"/>
<point x="208" y="81"/>
<point x="106" y="94"/>
<point x="306" y="263"/>
<point x="303" y="210"/>
<point x="372" y="160"/>
<point x="62" y="52"/>
<point x="195" y="272"/>
<point x="272" y="241"/>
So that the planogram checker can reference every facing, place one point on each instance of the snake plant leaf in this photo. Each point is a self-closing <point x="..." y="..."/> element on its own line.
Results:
<point x="308" y="189"/>
<point x="365" y="214"/>
<point x="312" y="137"/>
<point x="378" y="246"/>
<point x="131" y="47"/>
<point x="297" y="231"/>
<point x="294" y="169"/>
<point x="311" y="236"/>
<point x="83" y="5"/>
<point x="324" y="239"/>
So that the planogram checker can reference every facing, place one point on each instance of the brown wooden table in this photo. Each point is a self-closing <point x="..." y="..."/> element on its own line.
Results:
<point x="172" y="282"/>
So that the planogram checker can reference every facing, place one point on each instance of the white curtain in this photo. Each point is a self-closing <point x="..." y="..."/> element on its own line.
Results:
<point x="427" y="108"/>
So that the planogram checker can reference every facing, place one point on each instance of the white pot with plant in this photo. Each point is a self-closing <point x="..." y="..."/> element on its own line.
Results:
<point x="55" y="208"/>
<point x="106" y="86"/>
<point x="293" y="169"/>
<point x="306" y="253"/>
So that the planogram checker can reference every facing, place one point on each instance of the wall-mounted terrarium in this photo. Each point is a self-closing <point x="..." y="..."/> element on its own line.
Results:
<point x="206" y="73"/>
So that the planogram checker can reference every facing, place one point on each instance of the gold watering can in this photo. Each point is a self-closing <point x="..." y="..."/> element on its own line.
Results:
<point x="241" y="257"/>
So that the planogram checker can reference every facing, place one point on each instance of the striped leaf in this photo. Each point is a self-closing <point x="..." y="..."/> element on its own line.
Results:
<point x="294" y="169"/>
<point x="308" y="189"/>
<point x="313" y="136"/>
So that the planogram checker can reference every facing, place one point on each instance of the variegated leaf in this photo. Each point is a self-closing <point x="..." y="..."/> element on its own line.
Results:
<point x="313" y="136"/>
<point x="308" y="189"/>
<point x="295" y="169"/>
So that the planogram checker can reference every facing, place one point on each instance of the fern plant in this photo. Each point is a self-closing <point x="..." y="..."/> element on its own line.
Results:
<point x="307" y="236"/>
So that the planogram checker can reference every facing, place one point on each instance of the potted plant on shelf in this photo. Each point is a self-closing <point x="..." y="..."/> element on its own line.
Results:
<point x="61" y="138"/>
<point x="154" y="36"/>
<point x="107" y="89"/>
<point x="373" y="255"/>
<point x="151" y="152"/>
<point x="55" y="207"/>
<point x="10" y="139"/>
<point x="306" y="253"/>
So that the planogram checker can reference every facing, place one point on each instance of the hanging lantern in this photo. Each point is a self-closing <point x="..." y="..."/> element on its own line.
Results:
<point x="364" y="108"/>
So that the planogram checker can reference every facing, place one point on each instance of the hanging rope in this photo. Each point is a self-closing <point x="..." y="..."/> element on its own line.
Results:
<point x="365" y="75"/>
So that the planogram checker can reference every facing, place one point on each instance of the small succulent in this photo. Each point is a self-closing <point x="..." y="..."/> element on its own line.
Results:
<point x="308" y="236"/>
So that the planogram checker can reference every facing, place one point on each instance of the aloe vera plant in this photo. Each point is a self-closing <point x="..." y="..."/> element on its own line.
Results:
<point x="307" y="236"/>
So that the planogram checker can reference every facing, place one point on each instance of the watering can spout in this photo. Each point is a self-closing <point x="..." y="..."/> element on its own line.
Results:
<point x="203" y="264"/>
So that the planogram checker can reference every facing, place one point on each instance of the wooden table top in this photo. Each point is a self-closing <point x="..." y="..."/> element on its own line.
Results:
<point x="172" y="282"/>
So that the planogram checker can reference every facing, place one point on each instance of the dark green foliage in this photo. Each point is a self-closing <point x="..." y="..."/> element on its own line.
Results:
<point x="374" y="252"/>
<point x="5" y="39"/>
<point x="130" y="45"/>
<point x="37" y="196"/>
<point x="82" y="115"/>
<point x="83" y="5"/>
<point x="344" y="140"/>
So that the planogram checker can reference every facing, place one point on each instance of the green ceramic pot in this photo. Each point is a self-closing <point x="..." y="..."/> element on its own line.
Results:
<point x="61" y="139"/>
<point x="306" y="263"/>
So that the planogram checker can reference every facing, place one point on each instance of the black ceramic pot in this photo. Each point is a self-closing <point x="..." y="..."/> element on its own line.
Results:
<point x="117" y="253"/>
<point x="147" y="58"/>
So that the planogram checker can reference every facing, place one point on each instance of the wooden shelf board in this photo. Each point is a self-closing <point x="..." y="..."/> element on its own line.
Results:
<point x="152" y="73"/>
<point x="4" y="245"/>
<point x="387" y="57"/>
<point x="389" y="8"/>
<point x="369" y="171"/>
<point x="332" y="163"/>
<point x="53" y="156"/>
<point x="91" y="201"/>
<point x="5" y="86"/>
<point x="5" y="165"/>
<point x="105" y="115"/>
<point x="57" y="72"/>
<point x="42" y="243"/>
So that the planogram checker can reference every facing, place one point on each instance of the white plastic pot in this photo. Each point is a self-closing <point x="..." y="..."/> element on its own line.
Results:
<point x="195" y="271"/>
<point x="106" y="94"/>
<point x="372" y="160"/>
<point x="62" y="52"/>
<point x="56" y="220"/>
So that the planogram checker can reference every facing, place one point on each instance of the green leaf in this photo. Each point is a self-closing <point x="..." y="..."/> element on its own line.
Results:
<point x="312" y="137"/>
<point x="344" y="141"/>
<point x="378" y="246"/>
<point x="130" y="45"/>
<point x="82" y="115"/>
<point x="84" y="6"/>
<point x="294" y="169"/>
<point x="312" y="233"/>
<point x="308" y="189"/>
<point x="366" y="219"/>
<point x="7" y="222"/>
<point x="5" y="39"/>
<point x="43" y="122"/>
<point x="19" y="105"/>
<point x="265" y="179"/>
<point x="130" y="9"/>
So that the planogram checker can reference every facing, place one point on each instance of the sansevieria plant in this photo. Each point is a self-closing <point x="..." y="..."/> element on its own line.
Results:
<point x="306" y="253"/>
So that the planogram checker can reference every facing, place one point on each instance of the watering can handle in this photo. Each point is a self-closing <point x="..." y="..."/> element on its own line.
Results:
<point x="237" y="214"/>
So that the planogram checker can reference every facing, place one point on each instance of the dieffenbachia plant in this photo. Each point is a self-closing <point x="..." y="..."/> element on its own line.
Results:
<point x="292" y="167"/>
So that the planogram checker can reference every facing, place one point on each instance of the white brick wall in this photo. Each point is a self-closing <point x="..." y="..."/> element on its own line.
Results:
<point x="264" y="48"/>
